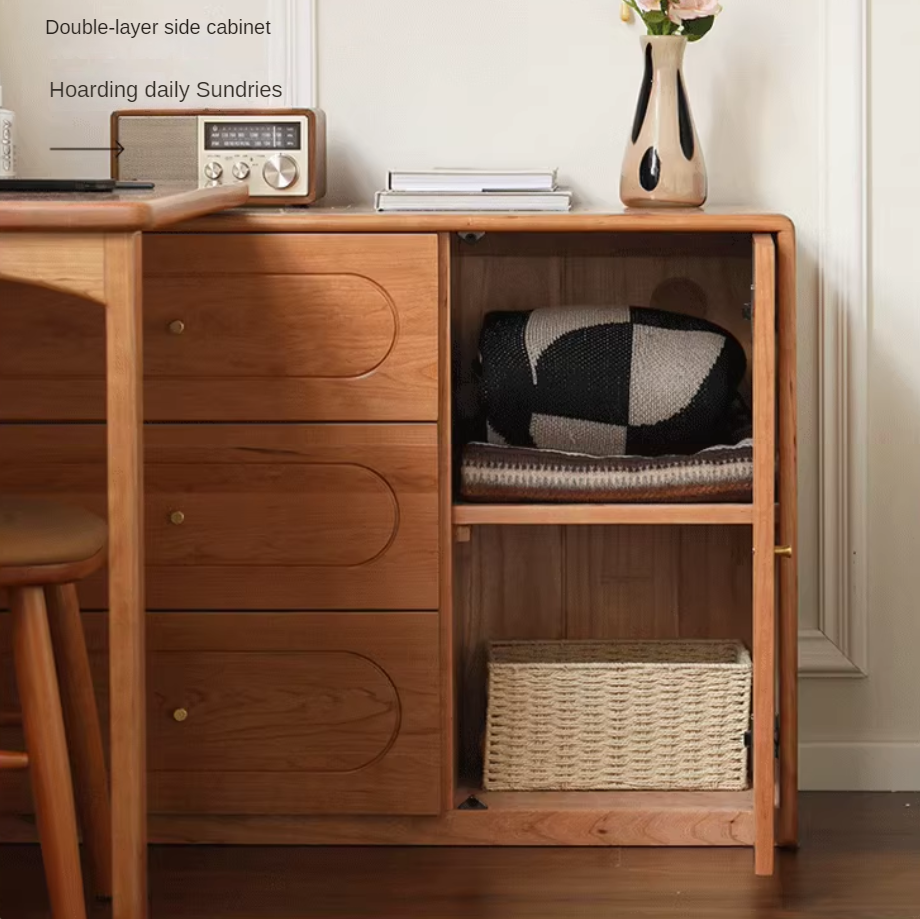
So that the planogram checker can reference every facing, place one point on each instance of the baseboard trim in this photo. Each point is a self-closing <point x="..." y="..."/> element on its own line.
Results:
<point x="859" y="766"/>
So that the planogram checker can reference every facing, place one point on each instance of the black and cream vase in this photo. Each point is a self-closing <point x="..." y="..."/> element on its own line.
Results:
<point x="664" y="164"/>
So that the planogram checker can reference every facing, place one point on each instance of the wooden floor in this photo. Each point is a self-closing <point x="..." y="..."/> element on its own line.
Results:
<point x="860" y="859"/>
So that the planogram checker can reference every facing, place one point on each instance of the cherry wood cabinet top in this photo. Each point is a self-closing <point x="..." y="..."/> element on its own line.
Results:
<point x="366" y="220"/>
<point x="120" y="211"/>
<point x="209" y="210"/>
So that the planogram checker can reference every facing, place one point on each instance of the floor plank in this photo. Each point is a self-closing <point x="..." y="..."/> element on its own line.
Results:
<point x="860" y="859"/>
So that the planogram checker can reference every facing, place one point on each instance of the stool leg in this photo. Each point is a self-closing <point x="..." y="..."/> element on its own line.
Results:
<point x="43" y="723"/>
<point x="84" y="737"/>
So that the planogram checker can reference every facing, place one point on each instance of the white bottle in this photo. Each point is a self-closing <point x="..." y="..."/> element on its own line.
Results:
<point x="7" y="141"/>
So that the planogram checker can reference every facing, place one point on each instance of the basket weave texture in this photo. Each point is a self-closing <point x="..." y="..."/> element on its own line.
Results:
<point x="617" y="715"/>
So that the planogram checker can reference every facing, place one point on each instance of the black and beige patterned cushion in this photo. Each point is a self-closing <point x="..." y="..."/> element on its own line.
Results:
<point x="608" y="381"/>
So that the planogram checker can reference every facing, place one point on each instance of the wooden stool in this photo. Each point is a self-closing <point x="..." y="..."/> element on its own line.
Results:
<point x="44" y="549"/>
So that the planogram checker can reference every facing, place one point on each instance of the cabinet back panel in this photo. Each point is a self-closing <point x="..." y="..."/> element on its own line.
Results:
<point x="705" y="277"/>
<point x="521" y="583"/>
<point x="591" y="582"/>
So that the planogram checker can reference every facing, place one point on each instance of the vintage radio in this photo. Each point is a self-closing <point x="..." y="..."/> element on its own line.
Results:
<point x="279" y="153"/>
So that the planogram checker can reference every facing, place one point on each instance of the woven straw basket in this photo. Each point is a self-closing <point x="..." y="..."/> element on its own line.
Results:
<point x="618" y="715"/>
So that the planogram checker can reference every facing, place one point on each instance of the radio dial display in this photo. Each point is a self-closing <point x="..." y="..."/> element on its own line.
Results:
<point x="245" y="135"/>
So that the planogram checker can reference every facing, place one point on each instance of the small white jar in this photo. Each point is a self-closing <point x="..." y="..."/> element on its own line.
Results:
<point x="7" y="141"/>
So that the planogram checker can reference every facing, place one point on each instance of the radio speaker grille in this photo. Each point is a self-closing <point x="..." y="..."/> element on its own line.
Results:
<point x="161" y="149"/>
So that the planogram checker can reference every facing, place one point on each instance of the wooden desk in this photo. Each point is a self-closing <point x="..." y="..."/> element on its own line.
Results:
<point x="90" y="245"/>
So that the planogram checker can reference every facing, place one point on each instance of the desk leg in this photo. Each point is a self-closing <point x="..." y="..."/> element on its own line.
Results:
<point x="124" y="334"/>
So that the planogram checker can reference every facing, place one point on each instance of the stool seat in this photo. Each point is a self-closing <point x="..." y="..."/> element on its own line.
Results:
<point x="36" y="532"/>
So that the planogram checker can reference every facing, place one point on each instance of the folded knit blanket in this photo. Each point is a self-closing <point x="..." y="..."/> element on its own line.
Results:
<point x="515" y="474"/>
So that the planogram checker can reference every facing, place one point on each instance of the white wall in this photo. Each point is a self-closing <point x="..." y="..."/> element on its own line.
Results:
<point x="409" y="82"/>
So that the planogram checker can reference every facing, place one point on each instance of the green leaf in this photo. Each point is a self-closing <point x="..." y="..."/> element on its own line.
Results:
<point x="695" y="29"/>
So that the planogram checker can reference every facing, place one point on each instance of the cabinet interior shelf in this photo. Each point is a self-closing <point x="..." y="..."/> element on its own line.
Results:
<point x="587" y="514"/>
<point x="627" y="818"/>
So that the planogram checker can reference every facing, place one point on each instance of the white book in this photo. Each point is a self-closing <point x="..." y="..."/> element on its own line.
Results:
<point x="560" y="200"/>
<point x="471" y="180"/>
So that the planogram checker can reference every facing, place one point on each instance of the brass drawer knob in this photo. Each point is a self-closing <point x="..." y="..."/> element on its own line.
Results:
<point x="176" y="327"/>
<point x="180" y="715"/>
<point x="783" y="551"/>
<point x="177" y="518"/>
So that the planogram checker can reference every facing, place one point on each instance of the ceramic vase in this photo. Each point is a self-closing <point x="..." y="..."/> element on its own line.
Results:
<point x="664" y="164"/>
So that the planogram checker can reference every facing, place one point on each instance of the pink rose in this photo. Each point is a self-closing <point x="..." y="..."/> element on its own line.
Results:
<point x="679" y="10"/>
<point x="649" y="6"/>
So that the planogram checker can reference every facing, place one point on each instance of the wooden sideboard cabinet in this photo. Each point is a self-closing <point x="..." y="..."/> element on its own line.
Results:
<point x="320" y="598"/>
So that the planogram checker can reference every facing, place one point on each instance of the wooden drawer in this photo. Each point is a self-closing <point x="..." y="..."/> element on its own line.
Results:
<point x="285" y="713"/>
<point x="245" y="327"/>
<point x="243" y="517"/>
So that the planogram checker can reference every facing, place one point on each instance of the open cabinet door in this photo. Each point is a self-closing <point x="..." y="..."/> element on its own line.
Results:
<point x="764" y="632"/>
<point x="787" y="829"/>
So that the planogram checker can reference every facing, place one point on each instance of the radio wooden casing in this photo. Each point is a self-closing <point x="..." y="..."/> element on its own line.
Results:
<point x="192" y="146"/>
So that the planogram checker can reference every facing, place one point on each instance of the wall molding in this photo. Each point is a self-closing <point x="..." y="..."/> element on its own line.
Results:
<point x="299" y="52"/>
<point x="859" y="766"/>
<point x="293" y="51"/>
<point x="838" y="647"/>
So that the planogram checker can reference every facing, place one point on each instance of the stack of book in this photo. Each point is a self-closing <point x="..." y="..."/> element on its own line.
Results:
<point x="473" y="190"/>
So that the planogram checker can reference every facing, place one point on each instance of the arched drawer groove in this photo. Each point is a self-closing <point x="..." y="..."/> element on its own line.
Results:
<point x="247" y="328"/>
<point x="331" y="712"/>
<point x="266" y="713"/>
<point x="313" y="515"/>
<point x="309" y="326"/>
<point x="243" y="517"/>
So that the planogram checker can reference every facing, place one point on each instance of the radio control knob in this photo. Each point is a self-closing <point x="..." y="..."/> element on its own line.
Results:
<point x="213" y="171"/>
<point x="241" y="171"/>
<point x="280" y="171"/>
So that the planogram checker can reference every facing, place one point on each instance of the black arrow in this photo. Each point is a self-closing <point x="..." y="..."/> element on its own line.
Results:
<point x="117" y="150"/>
